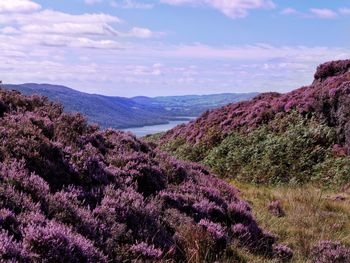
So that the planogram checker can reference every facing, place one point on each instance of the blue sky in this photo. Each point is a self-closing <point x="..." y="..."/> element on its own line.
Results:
<point x="171" y="47"/>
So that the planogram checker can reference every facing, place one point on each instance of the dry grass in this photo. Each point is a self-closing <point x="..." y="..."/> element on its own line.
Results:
<point x="311" y="215"/>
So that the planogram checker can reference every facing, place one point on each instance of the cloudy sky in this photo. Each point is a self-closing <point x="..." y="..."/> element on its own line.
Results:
<point x="170" y="47"/>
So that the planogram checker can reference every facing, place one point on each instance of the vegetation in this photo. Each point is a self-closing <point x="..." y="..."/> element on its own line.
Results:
<point x="299" y="137"/>
<point x="289" y="149"/>
<point x="289" y="154"/>
<point x="72" y="193"/>
<point x="311" y="215"/>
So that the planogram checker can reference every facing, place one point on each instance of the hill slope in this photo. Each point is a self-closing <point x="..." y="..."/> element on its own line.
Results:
<point x="115" y="112"/>
<point x="299" y="136"/>
<point x="119" y="112"/>
<point x="72" y="193"/>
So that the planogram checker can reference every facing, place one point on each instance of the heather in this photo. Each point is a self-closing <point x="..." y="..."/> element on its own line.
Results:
<point x="326" y="251"/>
<point x="299" y="137"/>
<point x="70" y="192"/>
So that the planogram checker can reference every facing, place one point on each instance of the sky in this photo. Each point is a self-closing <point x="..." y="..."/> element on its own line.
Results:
<point x="171" y="47"/>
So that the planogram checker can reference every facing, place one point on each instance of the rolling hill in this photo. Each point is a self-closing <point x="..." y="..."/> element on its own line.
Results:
<point x="119" y="112"/>
<point x="193" y="105"/>
<point x="115" y="112"/>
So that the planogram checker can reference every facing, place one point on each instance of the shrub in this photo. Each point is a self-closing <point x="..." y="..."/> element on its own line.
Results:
<point x="275" y="208"/>
<point x="330" y="251"/>
<point x="10" y="250"/>
<point x="57" y="243"/>
<point x="271" y="154"/>
<point x="144" y="251"/>
<point x="283" y="252"/>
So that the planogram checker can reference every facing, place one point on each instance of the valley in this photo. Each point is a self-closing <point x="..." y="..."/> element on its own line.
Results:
<point x="121" y="112"/>
<point x="174" y="131"/>
<point x="263" y="180"/>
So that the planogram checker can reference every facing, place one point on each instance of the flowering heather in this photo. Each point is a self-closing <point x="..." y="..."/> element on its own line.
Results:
<point x="283" y="252"/>
<point x="72" y="193"/>
<point x="214" y="229"/>
<point x="145" y="251"/>
<point x="330" y="251"/>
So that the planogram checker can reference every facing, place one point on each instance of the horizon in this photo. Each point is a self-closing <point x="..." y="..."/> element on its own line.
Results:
<point x="171" y="47"/>
<point x="130" y="97"/>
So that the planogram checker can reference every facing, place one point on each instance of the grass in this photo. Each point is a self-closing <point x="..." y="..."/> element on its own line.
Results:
<point x="311" y="215"/>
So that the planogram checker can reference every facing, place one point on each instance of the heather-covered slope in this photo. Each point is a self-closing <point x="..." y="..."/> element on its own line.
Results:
<point x="295" y="137"/>
<point x="72" y="193"/>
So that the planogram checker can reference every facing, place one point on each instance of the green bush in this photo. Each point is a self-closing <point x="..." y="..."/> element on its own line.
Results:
<point x="285" y="150"/>
<point x="292" y="149"/>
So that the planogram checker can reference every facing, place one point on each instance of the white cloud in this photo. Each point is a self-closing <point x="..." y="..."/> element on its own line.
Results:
<point x="257" y="52"/>
<point x="69" y="29"/>
<point x="51" y="17"/>
<point x="9" y="30"/>
<point x="232" y="9"/>
<point x="289" y="11"/>
<point x="90" y="53"/>
<point x="115" y="69"/>
<point x="344" y="11"/>
<point x="29" y="42"/>
<point x="130" y="4"/>
<point x="49" y="22"/>
<point x="18" y="6"/>
<point x="126" y="4"/>
<point x="323" y="13"/>
<point x="93" y="2"/>
<point x="140" y="32"/>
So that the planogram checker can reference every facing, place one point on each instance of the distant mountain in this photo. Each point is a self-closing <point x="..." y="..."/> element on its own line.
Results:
<point x="120" y="112"/>
<point x="193" y="105"/>
<point x="116" y="112"/>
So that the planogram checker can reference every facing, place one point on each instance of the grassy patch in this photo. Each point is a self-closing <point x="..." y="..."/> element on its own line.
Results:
<point x="311" y="215"/>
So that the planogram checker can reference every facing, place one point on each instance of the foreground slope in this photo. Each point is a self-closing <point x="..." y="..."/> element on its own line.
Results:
<point x="72" y="193"/>
<point x="300" y="136"/>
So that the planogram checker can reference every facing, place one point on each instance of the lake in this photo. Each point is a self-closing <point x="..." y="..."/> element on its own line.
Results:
<point x="152" y="129"/>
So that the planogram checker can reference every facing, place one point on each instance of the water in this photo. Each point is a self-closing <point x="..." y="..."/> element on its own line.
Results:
<point x="152" y="129"/>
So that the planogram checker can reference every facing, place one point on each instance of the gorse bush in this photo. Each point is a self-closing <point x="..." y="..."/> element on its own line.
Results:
<point x="296" y="137"/>
<point x="72" y="193"/>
